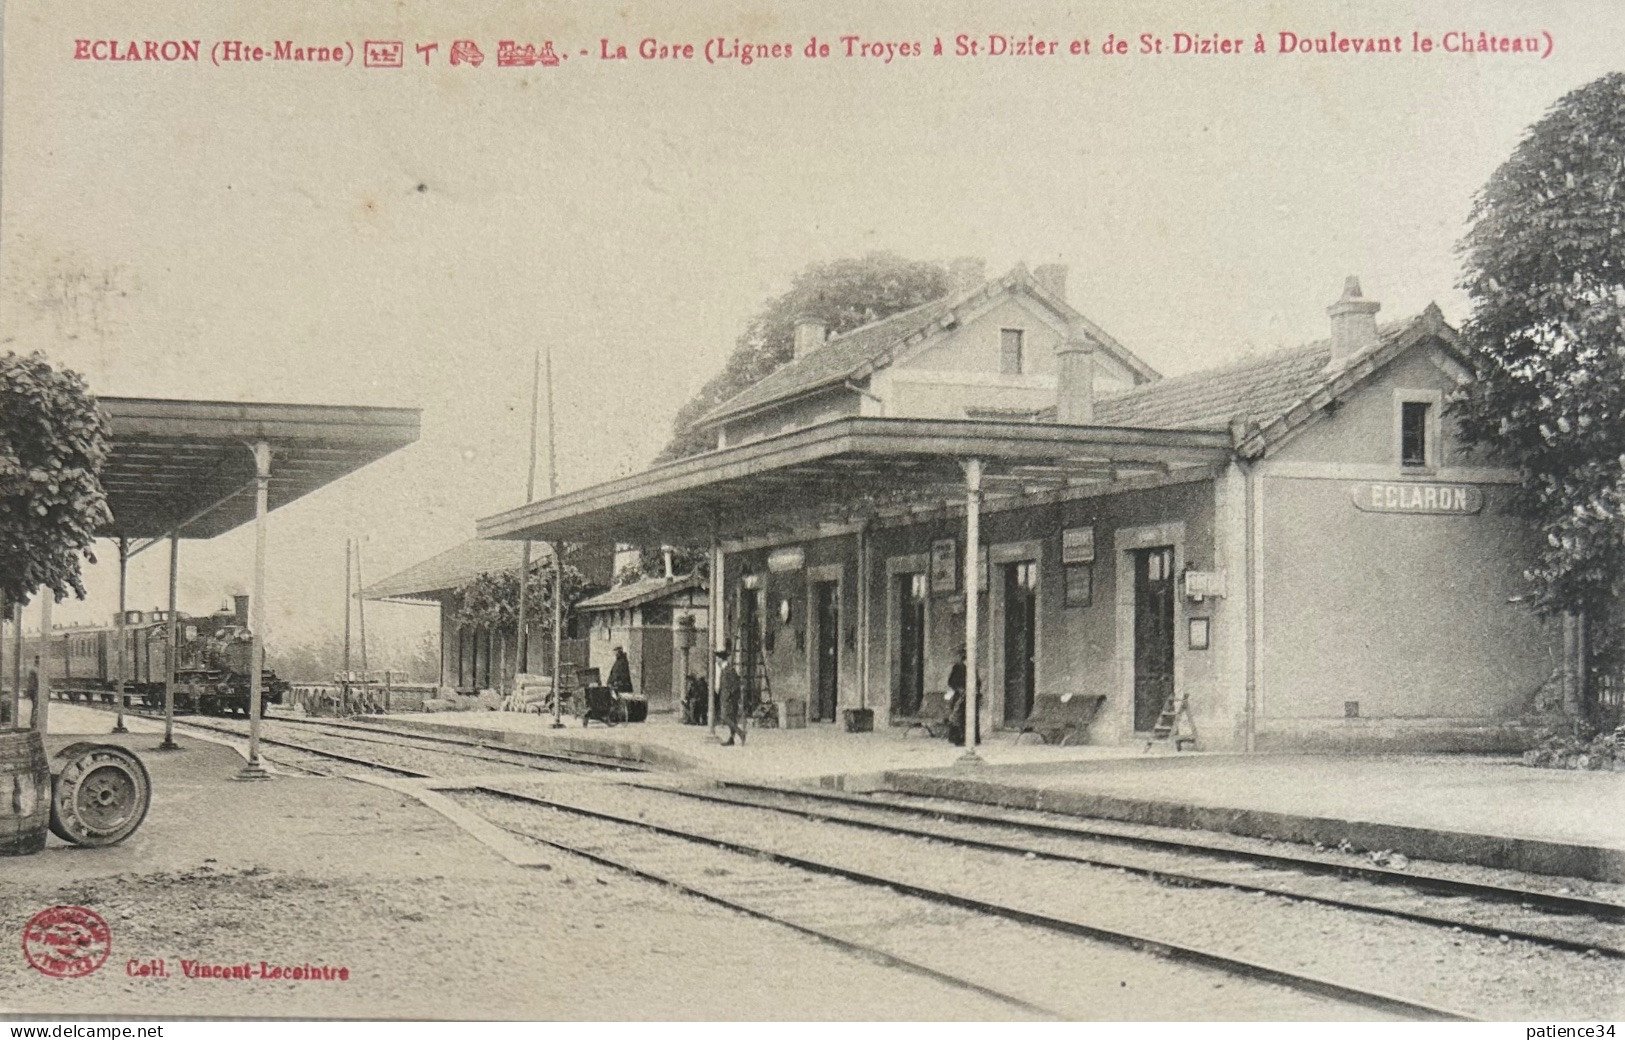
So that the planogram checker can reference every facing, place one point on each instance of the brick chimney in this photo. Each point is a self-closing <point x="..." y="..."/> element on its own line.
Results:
<point x="1052" y="279"/>
<point x="810" y="335"/>
<point x="1075" y="382"/>
<point x="239" y="607"/>
<point x="1354" y="323"/>
<point x="966" y="273"/>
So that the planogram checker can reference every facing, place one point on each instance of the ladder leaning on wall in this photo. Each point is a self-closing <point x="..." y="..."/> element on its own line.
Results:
<point x="757" y="685"/>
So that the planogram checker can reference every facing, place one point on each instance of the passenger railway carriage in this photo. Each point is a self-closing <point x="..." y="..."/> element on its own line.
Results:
<point x="211" y="670"/>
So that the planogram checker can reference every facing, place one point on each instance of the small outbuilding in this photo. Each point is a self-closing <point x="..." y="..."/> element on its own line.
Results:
<point x="662" y="625"/>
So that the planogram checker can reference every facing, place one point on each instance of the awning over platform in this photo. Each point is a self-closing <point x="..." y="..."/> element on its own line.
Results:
<point x="428" y="580"/>
<point x="853" y="469"/>
<point x="190" y="464"/>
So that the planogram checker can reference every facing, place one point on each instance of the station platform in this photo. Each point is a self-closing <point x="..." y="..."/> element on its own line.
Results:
<point x="429" y="918"/>
<point x="1486" y="810"/>
<point x="819" y="752"/>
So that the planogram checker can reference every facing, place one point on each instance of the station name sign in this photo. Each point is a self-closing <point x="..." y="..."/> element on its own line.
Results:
<point x="1440" y="499"/>
<point x="781" y="561"/>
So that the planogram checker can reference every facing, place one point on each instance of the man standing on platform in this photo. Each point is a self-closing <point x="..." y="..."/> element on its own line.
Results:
<point x="620" y="673"/>
<point x="731" y="691"/>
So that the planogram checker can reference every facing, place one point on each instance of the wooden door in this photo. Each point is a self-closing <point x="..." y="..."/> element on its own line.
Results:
<point x="655" y="682"/>
<point x="826" y="662"/>
<point x="1020" y="638"/>
<point x="910" y="593"/>
<point x="1153" y="634"/>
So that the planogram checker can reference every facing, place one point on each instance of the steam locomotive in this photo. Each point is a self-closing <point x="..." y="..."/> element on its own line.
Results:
<point x="211" y="666"/>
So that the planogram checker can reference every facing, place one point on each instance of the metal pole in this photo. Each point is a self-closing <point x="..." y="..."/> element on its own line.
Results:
<point x="254" y="769"/>
<point x="5" y="619"/>
<point x="521" y="657"/>
<point x="168" y="743"/>
<point x="118" y="696"/>
<point x="16" y="663"/>
<point x="42" y="696"/>
<point x="558" y="623"/>
<point x="973" y="544"/>
<point x="361" y="610"/>
<point x="719" y="633"/>
<point x="558" y="547"/>
<point x="864" y="577"/>
<point x="349" y="597"/>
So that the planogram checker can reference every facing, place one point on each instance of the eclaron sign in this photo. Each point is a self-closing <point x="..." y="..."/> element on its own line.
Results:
<point x="1460" y="499"/>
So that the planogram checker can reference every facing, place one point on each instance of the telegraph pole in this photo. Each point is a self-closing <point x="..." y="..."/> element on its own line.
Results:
<point x="348" y="596"/>
<point x="521" y="655"/>
<point x="558" y="547"/>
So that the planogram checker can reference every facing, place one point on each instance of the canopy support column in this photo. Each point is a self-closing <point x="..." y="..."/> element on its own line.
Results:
<point x="558" y="629"/>
<point x="173" y="649"/>
<point x="16" y="663"/>
<point x="521" y="648"/>
<point x="42" y="691"/>
<point x="973" y="545"/>
<point x="5" y="619"/>
<point x="719" y="632"/>
<point x="118" y="690"/>
<point x="865" y="566"/>
<point x="254" y="769"/>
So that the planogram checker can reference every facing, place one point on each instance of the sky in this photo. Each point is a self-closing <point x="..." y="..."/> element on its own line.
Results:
<point x="275" y="231"/>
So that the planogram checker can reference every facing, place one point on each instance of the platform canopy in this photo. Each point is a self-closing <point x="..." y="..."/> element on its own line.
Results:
<point x="189" y="465"/>
<point x="852" y="469"/>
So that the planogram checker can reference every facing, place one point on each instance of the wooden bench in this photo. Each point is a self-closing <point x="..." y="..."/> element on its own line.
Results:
<point x="932" y="716"/>
<point x="1057" y="720"/>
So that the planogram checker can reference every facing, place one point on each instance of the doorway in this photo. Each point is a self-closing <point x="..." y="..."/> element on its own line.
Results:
<point x="1153" y="634"/>
<point x="910" y="593"/>
<point x="749" y="660"/>
<point x="827" y="650"/>
<point x="1020" y="638"/>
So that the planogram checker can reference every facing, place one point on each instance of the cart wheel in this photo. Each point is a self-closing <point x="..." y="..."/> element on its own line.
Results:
<point x="100" y="795"/>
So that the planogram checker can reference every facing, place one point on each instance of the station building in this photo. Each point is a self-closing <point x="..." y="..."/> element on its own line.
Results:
<point x="478" y="657"/>
<point x="1293" y="546"/>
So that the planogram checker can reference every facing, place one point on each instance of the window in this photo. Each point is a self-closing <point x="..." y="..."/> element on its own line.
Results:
<point x="1413" y="433"/>
<point x="1010" y="359"/>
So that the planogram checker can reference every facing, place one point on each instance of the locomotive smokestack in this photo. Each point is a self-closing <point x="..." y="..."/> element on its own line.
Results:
<point x="240" y="608"/>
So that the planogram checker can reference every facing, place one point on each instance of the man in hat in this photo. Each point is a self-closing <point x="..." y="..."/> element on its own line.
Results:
<point x="620" y="673"/>
<point x="731" y="691"/>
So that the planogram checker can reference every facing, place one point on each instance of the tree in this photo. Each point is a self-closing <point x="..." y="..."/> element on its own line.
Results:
<point x="843" y="294"/>
<point x="1545" y="267"/>
<point x="53" y="442"/>
<point x="491" y="600"/>
<point x="651" y="562"/>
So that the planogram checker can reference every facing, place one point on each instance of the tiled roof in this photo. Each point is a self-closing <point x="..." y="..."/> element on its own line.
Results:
<point x="639" y="592"/>
<point x="858" y="352"/>
<point x="454" y="568"/>
<point x="842" y="357"/>
<point x="1257" y="389"/>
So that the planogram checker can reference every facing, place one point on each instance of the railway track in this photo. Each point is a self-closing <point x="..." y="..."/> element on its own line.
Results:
<point x="365" y="734"/>
<point x="772" y="882"/>
<point x="570" y="758"/>
<point x="1065" y="965"/>
<point x="1571" y="923"/>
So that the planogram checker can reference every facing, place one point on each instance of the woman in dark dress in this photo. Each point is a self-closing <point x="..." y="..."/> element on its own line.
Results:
<point x="956" y="703"/>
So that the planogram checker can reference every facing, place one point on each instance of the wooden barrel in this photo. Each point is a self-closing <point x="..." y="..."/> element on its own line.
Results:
<point x="25" y="792"/>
